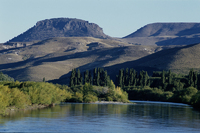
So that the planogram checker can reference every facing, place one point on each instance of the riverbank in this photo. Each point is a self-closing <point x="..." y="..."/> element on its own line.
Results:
<point x="11" y="109"/>
<point x="113" y="102"/>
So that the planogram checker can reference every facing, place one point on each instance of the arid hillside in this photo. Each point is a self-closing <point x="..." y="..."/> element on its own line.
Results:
<point x="162" y="34"/>
<point x="56" y="57"/>
<point x="178" y="59"/>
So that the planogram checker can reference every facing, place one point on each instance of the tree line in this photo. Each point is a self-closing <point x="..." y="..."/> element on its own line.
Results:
<point x="165" y="80"/>
<point x="160" y="86"/>
<point x="98" y="77"/>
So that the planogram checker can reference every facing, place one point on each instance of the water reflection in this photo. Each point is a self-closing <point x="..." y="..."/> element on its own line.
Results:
<point x="77" y="117"/>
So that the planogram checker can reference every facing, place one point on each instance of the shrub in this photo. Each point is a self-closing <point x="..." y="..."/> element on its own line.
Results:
<point x="5" y="98"/>
<point x="195" y="100"/>
<point x="19" y="99"/>
<point x="45" y="93"/>
<point x="108" y="98"/>
<point x="77" y="97"/>
<point x="184" y="95"/>
<point x="90" y="98"/>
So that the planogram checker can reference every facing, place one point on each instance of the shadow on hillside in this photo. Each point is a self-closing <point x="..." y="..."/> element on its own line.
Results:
<point x="165" y="55"/>
<point x="179" y="41"/>
<point x="112" y="54"/>
<point x="7" y="50"/>
<point x="194" y="30"/>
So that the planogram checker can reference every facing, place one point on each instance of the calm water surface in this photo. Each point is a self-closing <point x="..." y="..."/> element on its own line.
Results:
<point x="149" y="117"/>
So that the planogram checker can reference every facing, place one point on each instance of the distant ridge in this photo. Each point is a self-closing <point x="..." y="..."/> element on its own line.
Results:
<point x="60" y="27"/>
<point x="167" y="29"/>
<point x="162" y="34"/>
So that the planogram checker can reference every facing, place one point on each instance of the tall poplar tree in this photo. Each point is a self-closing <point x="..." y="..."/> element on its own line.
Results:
<point x="131" y="77"/>
<point x="72" y="78"/>
<point x="170" y="77"/>
<point x="95" y="76"/>
<point x="90" y="77"/>
<point x="163" y="77"/>
<point x="98" y="77"/>
<point x="120" y="78"/>
<point x="141" y="78"/>
<point x="126" y="77"/>
<point x="146" y="77"/>
<point x="86" y="76"/>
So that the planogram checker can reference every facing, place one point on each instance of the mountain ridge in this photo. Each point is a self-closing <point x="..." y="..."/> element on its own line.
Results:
<point x="166" y="29"/>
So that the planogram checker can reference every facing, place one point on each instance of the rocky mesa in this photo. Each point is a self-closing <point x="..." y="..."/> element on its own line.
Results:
<point x="60" y="27"/>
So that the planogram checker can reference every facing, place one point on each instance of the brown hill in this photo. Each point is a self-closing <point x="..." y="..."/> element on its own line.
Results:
<point x="179" y="60"/>
<point x="166" y="34"/>
<point x="60" y="27"/>
<point x="54" y="58"/>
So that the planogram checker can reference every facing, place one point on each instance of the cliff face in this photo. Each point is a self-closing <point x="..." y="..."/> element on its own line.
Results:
<point x="60" y="27"/>
<point x="167" y="29"/>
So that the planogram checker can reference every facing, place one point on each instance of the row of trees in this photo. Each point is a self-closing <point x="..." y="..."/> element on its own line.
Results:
<point x="131" y="78"/>
<point x="98" y="77"/>
<point x="161" y="86"/>
<point x="165" y="80"/>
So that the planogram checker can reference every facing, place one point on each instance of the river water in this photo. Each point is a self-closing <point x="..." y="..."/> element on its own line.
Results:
<point x="149" y="117"/>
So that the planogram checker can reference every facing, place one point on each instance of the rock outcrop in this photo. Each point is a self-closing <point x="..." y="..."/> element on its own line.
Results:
<point x="60" y="27"/>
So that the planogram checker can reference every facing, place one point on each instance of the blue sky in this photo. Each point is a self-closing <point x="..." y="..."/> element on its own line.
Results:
<point x="118" y="18"/>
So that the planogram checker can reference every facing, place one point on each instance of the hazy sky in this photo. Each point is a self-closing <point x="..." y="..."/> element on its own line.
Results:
<point x="118" y="18"/>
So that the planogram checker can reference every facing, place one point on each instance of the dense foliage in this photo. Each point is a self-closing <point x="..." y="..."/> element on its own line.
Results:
<point x="5" y="77"/>
<point x="91" y="93"/>
<point x="22" y="94"/>
<point x="93" y="86"/>
<point x="161" y="86"/>
<point x="98" y="77"/>
<point x="97" y="86"/>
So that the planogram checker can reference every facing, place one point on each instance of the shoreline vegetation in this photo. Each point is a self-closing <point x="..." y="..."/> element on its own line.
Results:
<point x="164" y="86"/>
<point x="15" y="95"/>
<point x="97" y="86"/>
<point x="12" y="109"/>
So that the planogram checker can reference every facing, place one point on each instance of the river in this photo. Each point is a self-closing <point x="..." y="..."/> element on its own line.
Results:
<point x="149" y="117"/>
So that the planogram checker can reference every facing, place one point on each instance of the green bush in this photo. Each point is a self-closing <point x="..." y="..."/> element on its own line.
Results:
<point x="147" y="93"/>
<point x="108" y="98"/>
<point x="19" y="99"/>
<point x="77" y="97"/>
<point x="45" y="93"/>
<point x="5" y="98"/>
<point x="195" y="100"/>
<point x="90" y="98"/>
<point x="184" y="95"/>
<point x="89" y="93"/>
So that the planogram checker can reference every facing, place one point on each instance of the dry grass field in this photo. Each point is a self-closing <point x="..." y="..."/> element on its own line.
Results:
<point x="56" y="57"/>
